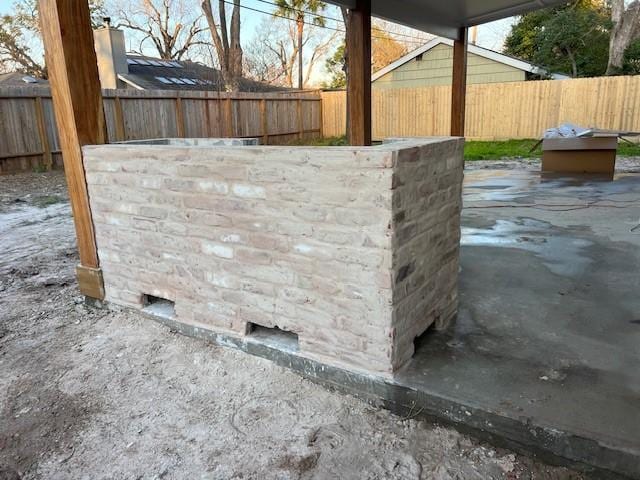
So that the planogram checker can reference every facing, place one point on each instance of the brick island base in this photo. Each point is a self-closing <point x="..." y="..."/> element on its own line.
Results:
<point x="341" y="254"/>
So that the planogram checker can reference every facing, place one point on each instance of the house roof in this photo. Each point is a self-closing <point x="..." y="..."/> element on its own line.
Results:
<point x="447" y="17"/>
<point x="148" y="73"/>
<point x="17" y="79"/>
<point x="476" y="50"/>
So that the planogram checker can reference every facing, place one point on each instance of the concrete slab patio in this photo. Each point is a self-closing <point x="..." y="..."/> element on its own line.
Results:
<point x="546" y="349"/>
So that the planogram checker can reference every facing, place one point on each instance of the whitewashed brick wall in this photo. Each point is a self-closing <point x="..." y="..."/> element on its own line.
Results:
<point x="353" y="249"/>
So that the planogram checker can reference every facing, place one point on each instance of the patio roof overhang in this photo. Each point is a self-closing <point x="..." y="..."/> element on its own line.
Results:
<point x="446" y="18"/>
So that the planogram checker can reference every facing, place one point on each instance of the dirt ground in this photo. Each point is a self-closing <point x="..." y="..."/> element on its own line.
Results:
<point x="98" y="394"/>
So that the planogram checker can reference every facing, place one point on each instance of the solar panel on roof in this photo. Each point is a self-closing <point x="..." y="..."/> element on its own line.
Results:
<point x="176" y="80"/>
<point x="132" y="61"/>
<point x="142" y="61"/>
<point x="188" y="81"/>
<point x="175" y="64"/>
<point x="163" y="79"/>
<point x="155" y="63"/>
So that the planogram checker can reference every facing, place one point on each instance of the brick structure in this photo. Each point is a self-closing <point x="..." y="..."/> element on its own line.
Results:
<point x="353" y="249"/>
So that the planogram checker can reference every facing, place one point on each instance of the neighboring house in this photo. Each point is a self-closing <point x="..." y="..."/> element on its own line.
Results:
<point x="119" y="69"/>
<point x="17" y="79"/>
<point x="432" y="64"/>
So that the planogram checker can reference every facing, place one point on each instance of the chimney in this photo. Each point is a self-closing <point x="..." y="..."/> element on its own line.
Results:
<point x="474" y="35"/>
<point x="111" y="53"/>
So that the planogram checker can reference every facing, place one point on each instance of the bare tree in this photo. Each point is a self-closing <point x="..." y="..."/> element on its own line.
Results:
<point x="625" y="29"/>
<point x="275" y="52"/>
<point x="172" y="26"/>
<point x="262" y="63"/>
<point x="299" y="10"/>
<point x="270" y="56"/>
<point x="15" y="53"/>
<point x="21" y="40"/>
<point x="227" y="41"/>
<point x="409" y="37"/>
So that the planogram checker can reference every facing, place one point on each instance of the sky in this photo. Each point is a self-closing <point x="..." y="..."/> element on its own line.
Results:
<point x="490" y="35"/>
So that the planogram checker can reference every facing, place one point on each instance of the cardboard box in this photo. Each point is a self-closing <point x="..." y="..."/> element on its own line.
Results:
<point x="579" y="155"/>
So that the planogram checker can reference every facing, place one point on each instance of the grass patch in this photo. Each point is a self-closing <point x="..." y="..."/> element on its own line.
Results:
<point x="626" y="149"/>
<point x="475" y="150"/>
<point x="47" y="200"/>
<point x="321" y="142"/>
<point x="511" y="149"/>
<point x="479" y="150"/>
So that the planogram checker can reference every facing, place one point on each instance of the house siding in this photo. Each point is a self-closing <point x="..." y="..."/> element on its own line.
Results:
<point x="436" y="66"/>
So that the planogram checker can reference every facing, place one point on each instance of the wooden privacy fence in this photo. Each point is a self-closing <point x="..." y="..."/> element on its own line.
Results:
<point x="29" y="138"/>
<point x="497" y="111"/>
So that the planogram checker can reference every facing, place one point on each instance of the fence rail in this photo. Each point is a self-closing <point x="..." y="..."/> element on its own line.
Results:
<point x="497" y="111"/>
<point x="29" y="139"/>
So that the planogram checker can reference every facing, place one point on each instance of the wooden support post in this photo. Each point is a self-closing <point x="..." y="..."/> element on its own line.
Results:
<point x="459" y="84"/>
<point x="359" y="73"/>
<point x="121" y="134"/>
<point x="263" y="119"/>
<point x="77" y="100"/>
<point x="179" y="117"/>
<point x="44" y="137"/>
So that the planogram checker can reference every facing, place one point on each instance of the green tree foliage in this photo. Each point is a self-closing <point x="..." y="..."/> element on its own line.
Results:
<point x="571" y="39"/>
<point x="385" y="49"/>
<point x="631" y="63"/>
<point x="336" y="69"/>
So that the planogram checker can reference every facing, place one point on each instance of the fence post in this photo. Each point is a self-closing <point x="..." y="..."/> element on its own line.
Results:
<point x="320" y="114"/>
<point x="44" y="138"/>
<point x="300" y="120"/>
<point x="207" y="114"/>
<point x="119" y="119"/>
<point x="263" y="118"/>
<point x="179" y="116"/>
<point x="229" y="117"/>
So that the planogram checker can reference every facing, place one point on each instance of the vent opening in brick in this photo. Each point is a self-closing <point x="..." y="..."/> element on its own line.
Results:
<point x="422" y="341"/>
<point x="160" y="307"/>
<point x="273" y="337"/>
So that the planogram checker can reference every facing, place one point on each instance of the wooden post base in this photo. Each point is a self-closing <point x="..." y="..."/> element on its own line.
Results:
<point x="90" y="282"/>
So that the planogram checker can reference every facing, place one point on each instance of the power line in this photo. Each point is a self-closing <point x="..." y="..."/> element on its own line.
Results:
<point x="340" y="20"/>
<point x="299" y="10"/>
<point x="272" y="14"/>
